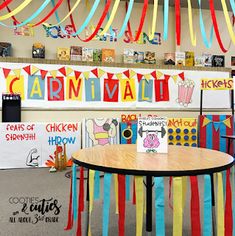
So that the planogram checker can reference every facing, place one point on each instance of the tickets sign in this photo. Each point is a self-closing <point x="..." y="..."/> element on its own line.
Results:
<point x="217" y="84"/>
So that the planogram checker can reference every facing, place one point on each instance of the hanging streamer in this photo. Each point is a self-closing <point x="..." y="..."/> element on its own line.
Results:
<point x="121" y="204"/>
<point x="115" y="176"/>
<point x="190" y="20"/>
<point x="74" y="191"/>
<point x="106" y="202"/>
<point x="207" y="43"/>
<point x="232" y="3"/>
<point x="139" y="204"/>
<point x="177" y="206"/>
<point x="220" y="206"/>
<point x="228" y="219"/>
<point x="177" y="21"/>
<point x="233" y="200"/>
<point x="97" y="185"/>
<point x="91" y="197"/>
<point x="108" y="16"/>
<point x="165" y="19"/>
<point x="213" y="16"/>
<point x="159" y="205"/>
<point x="5" y="3"/>
<point x="80" y="202"/>
<point x="154" y="20"/>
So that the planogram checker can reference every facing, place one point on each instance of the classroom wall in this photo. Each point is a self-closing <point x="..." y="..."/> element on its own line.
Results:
<point x="22" y="48"/>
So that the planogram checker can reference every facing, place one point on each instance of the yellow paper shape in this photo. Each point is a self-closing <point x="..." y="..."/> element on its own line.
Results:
<point x="159" y="74"/>
<point x="132" y="73"/>
<point x="220" y="205"/>
<point x="17" y="72"/>
<point x="116" y="192"/>
<point x="68" y="71"/>
<point x="128" y="90"/>
<point x="174" y="77"/>
<point x="119" y="76"/>
<point x="206" y="121"/>
<point x="139" y="190"/>
<point x="15" y="85"/>
<point x="86" y="74"/>
<point x="227" y="122"/>
<point x="53" y="73"/>
<point x="147" y="77"/>
<point x="34" y="70"/>
<point x="74" y="88"/>
<point x="101" y="73"/>
<point x="177" y="206"/>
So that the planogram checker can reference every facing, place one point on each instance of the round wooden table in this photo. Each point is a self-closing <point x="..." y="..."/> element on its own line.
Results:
<point x="179" y="161"/>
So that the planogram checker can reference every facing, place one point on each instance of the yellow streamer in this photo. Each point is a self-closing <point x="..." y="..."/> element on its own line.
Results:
<point x="228" y="22"/>
<point x="116" y="192"/>
<point x="91" y="196"/>
<point x="154" y="20"/>
<point x="16" y="11"/>
<point x="190" y="20"/>
<point x="139" y="204"/>
<point x="177" y="206"/>
<point x="111" y="18"/>
<point x="220" y="206"/>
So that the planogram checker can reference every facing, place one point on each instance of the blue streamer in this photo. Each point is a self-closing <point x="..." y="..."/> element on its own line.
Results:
<point x="35" y="14"/>
<point x="165" y="19"/>
<point x="202" y="28"/>
<point x="209" y="136"/>
<point x="107" y="184"/>
<point x="74" y="192"/>
<point x="97" y="185"/>
<point x="128" y="186"/>
<point x="159" y="205"/>
<point x="232" y="3"/>
<point x="207" y="221"/>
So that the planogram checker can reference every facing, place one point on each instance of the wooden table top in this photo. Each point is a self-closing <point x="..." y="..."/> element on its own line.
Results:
<point x="179" y="160"/>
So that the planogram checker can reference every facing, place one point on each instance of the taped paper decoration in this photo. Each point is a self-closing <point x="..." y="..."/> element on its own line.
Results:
<point x="152" y="134"/>
<point x="128" y="132"/>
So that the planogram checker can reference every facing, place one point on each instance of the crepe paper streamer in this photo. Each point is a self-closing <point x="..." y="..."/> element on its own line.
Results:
<point x="214" y="20"/>
<point x="16" y="10"/>
<point x="170" y="192"/>
<point x="159" y="205"/>
<point x="107" y="185"/>
<point x="165" y="19"/>
<point x="108" y="16"/>
<point x="97" y="185"/>
<point x="127" y="17"/>
<point x="121" y="204"/>
<point x="154" y="20"/>
<point x="134" y="194"/>
<point x="110" y="21"/>
<point x="80" y="202"/>
<point x="233" y="199"/>
<point x="228" y="220"/>
<point x="177" y="207"/>
<point x="195" y="207"/>
<point x="177" y="21"/>
<point x="91" y="197"/>
<point x="128" y="187"/>
<point x="74" y="191"/>
<point x="116" y="192"/>
<point x="5" y="3"/>
<point x="220" y="206"/>
<point x="139" y="204"/>
<point x="35" y="14"/>
<point x="190" y="20"/>
<point x="70" y="215"/>
<point x="207" y="43"/>
<point x="232" y="3"/>
<point x="227" y="19"/>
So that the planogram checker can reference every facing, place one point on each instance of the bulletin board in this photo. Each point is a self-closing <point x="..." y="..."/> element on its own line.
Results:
<point x="107" y="87"/>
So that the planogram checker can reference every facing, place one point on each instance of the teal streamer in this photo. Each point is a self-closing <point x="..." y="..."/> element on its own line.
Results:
<point x="207" y="221"/>
<point x="127" y="17"/>
<point x="232" y="3"/>
<point x="159" y="205"/>
<point x="35" y="14"/>
<point x="207" y="43"/>
<point x="128" y="186"/>
<point x="107" y="184"/>
<point x="85" y="23"/>
<point x="165" y="19"/>
<point x="74" y="192"/>
<point x="97" y="185"/>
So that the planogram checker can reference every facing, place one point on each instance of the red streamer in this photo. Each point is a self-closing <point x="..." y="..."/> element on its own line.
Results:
<point x="6" y="3"/>
<point x="195" y="207"/>
<point x="213" y="16"/>
<point x="177" y="21"/>
<point x="144" y="11"/>
<point x="228" y="219"/>
<point x="134" y="196"/>
<point x="80" y="202"/>
<point x="121" y="204"/>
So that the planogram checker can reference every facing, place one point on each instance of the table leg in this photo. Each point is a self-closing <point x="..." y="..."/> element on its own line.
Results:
<point x="149" y="203"/>
<point x="213" y="205"/>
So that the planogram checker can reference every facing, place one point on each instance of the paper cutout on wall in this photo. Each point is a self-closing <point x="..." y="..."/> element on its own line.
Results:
<point x="74" y="88"/>
<point x="161" y="89"/>
<point x="111" y="90"/>
<point x="128" y="132"/>
<point x="128" y="90"/>
<point x="145" y="91"/>
<point x="92" y="87"/>
<point x="36" y="87"/>
<point x="55" y="87"/>
<point x="15" y="85"/>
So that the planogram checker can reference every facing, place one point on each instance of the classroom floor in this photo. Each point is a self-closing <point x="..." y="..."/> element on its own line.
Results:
<point x="28" y="185"/>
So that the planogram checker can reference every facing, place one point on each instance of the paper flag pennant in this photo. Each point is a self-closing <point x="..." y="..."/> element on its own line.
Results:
<point x="17" y="72"/>
<point x="110" y="75"/>
<point x="43" y="73"/>
<point x="119" y="76"/>
<point x="181" y="75"/>
<point x="77" y="74"/>
<point x="6" y="72"/>
<point x="216" y="125"/>
<point x="68" y="71"/>
<point x="147" y="77"/>
<point x="101" y="73"/>
<point x="154" y="74"/>
<point x="132" y="73"/>
<point x="227" y="122"/>
<point x="62" y="70"/>
<point x="174" y="77"/>
<point x="95" y="72"/>
<point x="127" y="73"/>
<point x="139" y="77"/>
<point x="159" y="74"/>
<point x="167" y="77"/>
<point x="27" y="70"/>
<point x="34" y="70"/>
<point x="206" y="121"/>
<point x="86" y="74"/>
<point x="53" y="73"/>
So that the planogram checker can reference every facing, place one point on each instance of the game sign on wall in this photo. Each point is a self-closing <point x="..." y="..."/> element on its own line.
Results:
<point x="34" y="144"/>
